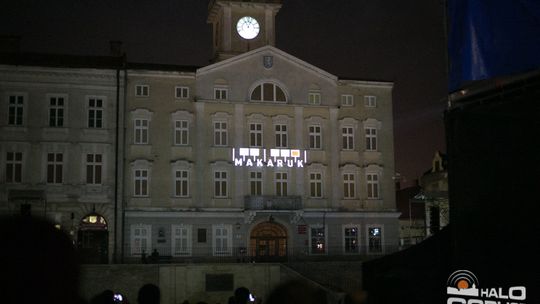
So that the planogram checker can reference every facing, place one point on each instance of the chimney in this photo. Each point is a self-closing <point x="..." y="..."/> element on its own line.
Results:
<point x="116" y="48"/>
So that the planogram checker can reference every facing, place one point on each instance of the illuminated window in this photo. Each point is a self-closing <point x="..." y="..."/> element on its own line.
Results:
<point x="222" y="240"/>
<point x="15" y="110"/>
<point x="315" y="137"/>
<point x="141" y="239"/>
<point x="181" y="132"/>
<point x="268" y="92"/>
<point x="255" y="183"/>
<point x="372" y="180"/>
<point x="14" y="167"/>
<point x="141" y="131"/>
<point x="56" y="111"/>
<point x="349" y="186"/>
<point x="255" y="135"/>
<point x="95" y="112"/>
<point x="181" y="92"/>
<point x="140" y="177"/>
<point x="220" y="93"/>
<point x="370" y="101"/>
<point x="347" y="100"/>
<point x="55" y="165"/>
<point x="374" y="239"/>
<point x="318" y="240"/>
<point x="371" y="139"/>
<point x="181" y="240"/>
<point x="142" y="90"/>
<point x="281" y="136"/>
<point x="347" y="134"/>
<point x="94" y="165"/>
<point x="350" y="239"/>
<point x="314" y="98"/>
<point x="181" y="183"/>
<point x="220" y="133"/>
<point x="220" y="184"/>
<point x="315" y="185"/>
<point x="281" y="183"/>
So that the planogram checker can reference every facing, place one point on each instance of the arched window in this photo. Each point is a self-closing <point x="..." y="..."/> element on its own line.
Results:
<point x="268" y="92"/>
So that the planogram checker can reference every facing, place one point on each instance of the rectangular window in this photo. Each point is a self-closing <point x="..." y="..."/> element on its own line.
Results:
<point x="141" y="131"/>
<point x="315" y="185"/>
<point x="349" y="186"/>
<point x="375" y="240"/>
<point x="372" y="185"/>
<point x="181" y="240"/>
<point x="314" y="98"/>
<point x="181" y="132"/>
<point x="142" y="90"/>
<point x="95" y="113"/>
<point x="181" y="92"/>
<point x="141" y="182"/>
<point x="201" y="235"/>
<point x="220" y="184"/>
<point x="281" y="136"/>
<point x="14" y="167"/>
<point x="140" y="239"/>
<point x="255" y="183"/>
<point x="15" y="110"/>
<point x="348" y="138"/>
<point x="94" y="167"/>
<point x="222" y="240"/>
<point x="347" y="100"/>
<point x="56" y="111"/>
<point x="370" y="101"/>
<point x="220" y="133"/>
<point x="255" y="135"/>
<point x="55" y="165"/>
<point x="318" y="240"/>
<point x="371" y="139"/>
<point x="281" y="183"/>
<point x="181" y="183"/>
<point x="220" y="93"/>
<point x="315" y="137"/>
<point x="350" y="239"/>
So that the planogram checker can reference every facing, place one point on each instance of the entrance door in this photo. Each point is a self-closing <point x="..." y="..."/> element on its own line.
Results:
<point x="269" y="242"/>
<point x="93" y="240"/>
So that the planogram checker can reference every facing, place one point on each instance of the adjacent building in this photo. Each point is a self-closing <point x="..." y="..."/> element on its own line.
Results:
<point x="58" y="143"/>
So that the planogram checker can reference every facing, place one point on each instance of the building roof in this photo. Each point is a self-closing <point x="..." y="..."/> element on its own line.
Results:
<point x="403" y="196"/>
<point x="61" y="60"/>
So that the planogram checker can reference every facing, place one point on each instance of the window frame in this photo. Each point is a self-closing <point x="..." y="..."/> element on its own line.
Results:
<point x="313" y="134"/>
<point x="18" y="108"/>
<point x="371" y="138"/>
<point x="221" y="133"/>
<point x="314" y="98"/>
<point x="316" y="184"/>
<point x="281" y="135"/>
<point x="187" y="251"/>
<point x="282" y="182"/>
<point x="141" y="184"/>
<point x="373" y="190"/>
<point x="95" y="122"/>
<point x="181" y="133"/>
<point x="147" y="237"/>
<point x="140" y="90"/>
<point x="345" y="237"/>
<point x="15" y="166"/>
<point x="58" y="119"/>
<point x="184" y="92"/>
<point x="255" y="180"/>
<point x="370" y="101"/>
<point x="57" y="167"/>
<point x="181" y="183"/>
<point x="221" y="93"/>
<point x="226" y="250"/>
<point x="347" y="142"/>
<point x="324" y="229"/>
<point x="369" y="249"/>
<point x="141" y="133"/>
<point x="256" y="136"/>
<point x="94" y="166"/>
<point x="274" y="94"/>
<point x="347" y="100"/>
<point x="348" y="184"/>
<point x="221" y="182"/>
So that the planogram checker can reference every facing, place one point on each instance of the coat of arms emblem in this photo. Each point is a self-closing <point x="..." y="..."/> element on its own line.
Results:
<point x="268" y="61"/>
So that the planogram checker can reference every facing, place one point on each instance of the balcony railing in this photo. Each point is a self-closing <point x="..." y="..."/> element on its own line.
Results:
<point x="270" y="202"/>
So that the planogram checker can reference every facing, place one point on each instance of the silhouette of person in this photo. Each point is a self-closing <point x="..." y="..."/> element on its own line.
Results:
<point x="40" y="263"/>
<point x="105" y="297"/>
<point x="149" y="294"/>
<point x="241" y="295"/>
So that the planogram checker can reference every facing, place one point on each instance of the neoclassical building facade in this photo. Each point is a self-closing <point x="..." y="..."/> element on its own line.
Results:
<point x="259" y="154"/>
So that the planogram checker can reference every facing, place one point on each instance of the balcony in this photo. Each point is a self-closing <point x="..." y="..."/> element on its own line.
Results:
<point x="271" y="202"/>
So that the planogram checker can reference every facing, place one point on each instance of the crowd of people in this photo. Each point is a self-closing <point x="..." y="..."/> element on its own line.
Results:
<point x="41" y="266"/>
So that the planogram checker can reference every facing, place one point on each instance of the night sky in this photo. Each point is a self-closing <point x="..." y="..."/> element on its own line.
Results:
<point x="387" y="40"/>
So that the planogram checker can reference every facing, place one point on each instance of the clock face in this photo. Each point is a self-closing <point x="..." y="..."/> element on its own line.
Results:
<point x="247" y="27"/>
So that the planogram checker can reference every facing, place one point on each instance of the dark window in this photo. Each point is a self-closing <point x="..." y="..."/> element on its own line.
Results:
<point x="201" y="235"/>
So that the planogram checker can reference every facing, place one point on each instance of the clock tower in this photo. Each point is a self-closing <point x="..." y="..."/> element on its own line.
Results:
<point x="241" y="26"/>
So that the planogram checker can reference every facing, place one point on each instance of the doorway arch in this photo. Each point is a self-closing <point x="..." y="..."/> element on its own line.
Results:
<point x="268" y="242"/>
<point x="93" y="239"/>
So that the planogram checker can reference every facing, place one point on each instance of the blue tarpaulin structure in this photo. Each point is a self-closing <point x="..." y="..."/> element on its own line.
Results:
<point x="491" y="38"/>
